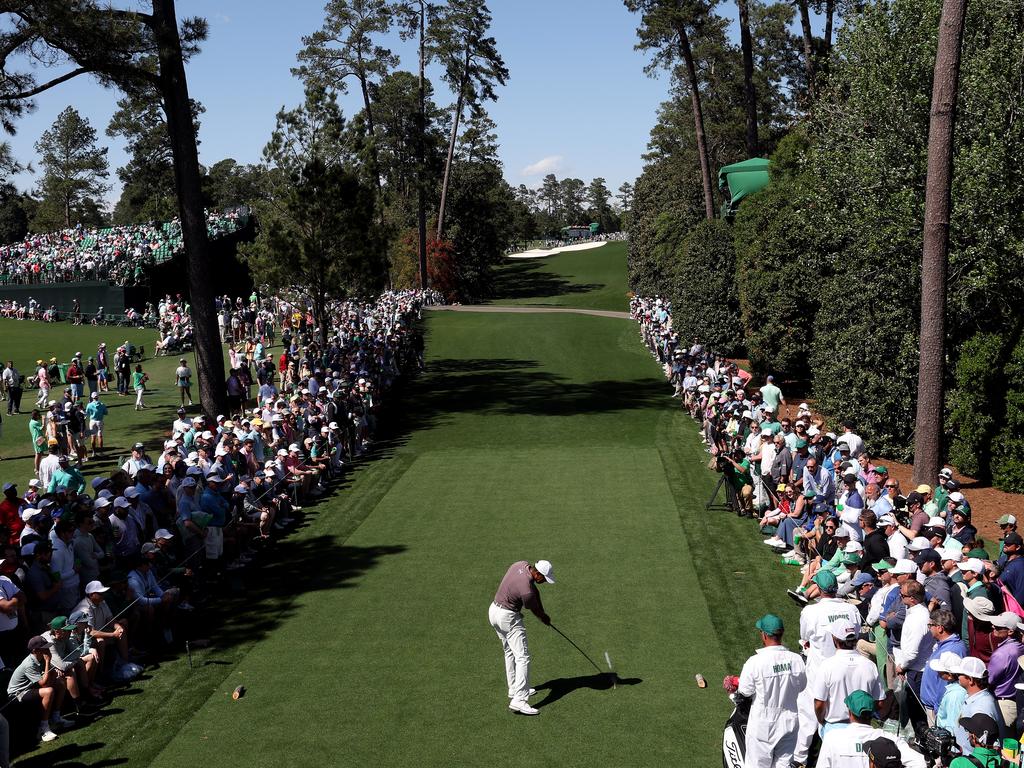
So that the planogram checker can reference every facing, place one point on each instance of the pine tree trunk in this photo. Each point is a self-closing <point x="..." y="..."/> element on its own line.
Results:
<point x="698" y="124"/>
<point x="374" y="156"/>
<point x="830" y="12"/>
<point x="451" y="147"/>
<point x="942" y="125"/>
<point x="808" y="38"/>
<point x="174" y="89"/>
<point x="749" y="94"/>
<point x="421" y="154"/>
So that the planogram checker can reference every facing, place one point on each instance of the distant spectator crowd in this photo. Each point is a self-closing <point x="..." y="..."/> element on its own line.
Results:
<point x="117" y="254"/>
<point x="99" y="573"/>
<point x="907" y="614"/>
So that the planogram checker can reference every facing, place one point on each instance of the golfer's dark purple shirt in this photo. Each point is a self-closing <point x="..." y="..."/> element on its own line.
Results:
<point x="518" y="590"/>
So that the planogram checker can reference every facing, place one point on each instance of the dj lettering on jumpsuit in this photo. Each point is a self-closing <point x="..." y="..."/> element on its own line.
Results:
<point x="774" y="678"/>
<point x="518" y="590"/>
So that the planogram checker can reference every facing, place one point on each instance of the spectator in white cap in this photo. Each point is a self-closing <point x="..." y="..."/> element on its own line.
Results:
<point x="895" y="540"/>
<point x="945" y="666"/>
<point x="773" y="678"/>
<point x="108" y="634"/>
<point x="973" y="677"/>
<point x="1007" y="524"/>
<point x="841" y="674"/>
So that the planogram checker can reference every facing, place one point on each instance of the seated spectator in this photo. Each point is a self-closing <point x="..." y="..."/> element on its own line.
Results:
<point x="37" y="682"/>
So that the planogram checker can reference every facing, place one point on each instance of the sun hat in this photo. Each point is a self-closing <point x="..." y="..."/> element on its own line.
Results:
<point x="852" y="547"/>
<point x="951" y="553"/>
<point x="904" y="566"/>
<point x="980" y="608"/>
<point x="546" y="570"/>
<point x="971" y="666"/>
<point x="919" y="544"/>
<point x="1005" y="620"/>
<point x="972" y="564"/>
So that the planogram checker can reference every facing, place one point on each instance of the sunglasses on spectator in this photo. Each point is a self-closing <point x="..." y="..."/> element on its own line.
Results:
<point x="891" y="485"/>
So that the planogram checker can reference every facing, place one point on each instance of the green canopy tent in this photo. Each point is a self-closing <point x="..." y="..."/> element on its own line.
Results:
<point x="742" y="179"/>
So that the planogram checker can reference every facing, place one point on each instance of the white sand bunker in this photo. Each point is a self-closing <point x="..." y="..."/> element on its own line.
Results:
<point x="540" y="253"/>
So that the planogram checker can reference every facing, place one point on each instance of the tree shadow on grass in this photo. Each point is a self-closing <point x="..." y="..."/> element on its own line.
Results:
<point x="563" y="686"/>
<point x="264" y="599"/>
<point x="527" y="279"/>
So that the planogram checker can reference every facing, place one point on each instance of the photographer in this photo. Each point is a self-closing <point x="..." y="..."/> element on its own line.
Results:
<point x="737" y="472"/>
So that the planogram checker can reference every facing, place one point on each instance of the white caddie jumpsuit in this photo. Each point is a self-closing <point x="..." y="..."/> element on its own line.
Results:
<point x="774" y="677"/>
<point x="843" y="748"/>
<point x="816" y="636"/>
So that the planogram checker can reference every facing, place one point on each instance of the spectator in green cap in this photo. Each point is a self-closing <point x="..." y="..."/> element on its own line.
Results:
<point x="773" y="678"/>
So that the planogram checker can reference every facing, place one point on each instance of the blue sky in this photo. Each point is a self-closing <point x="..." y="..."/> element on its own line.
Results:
<point x="577" y="103"/>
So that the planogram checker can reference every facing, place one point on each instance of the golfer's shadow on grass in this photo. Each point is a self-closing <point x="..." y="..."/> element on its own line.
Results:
<point x="563" y="686"/>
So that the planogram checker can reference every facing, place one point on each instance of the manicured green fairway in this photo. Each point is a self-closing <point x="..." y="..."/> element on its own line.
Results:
<point x="594" y="279"/>
<point x="365" y="639"/>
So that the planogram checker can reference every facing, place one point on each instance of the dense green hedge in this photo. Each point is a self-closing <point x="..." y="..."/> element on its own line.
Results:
<point x="705" y="303"/>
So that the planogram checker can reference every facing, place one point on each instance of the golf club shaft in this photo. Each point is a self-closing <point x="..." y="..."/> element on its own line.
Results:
<point x="582" y="652"/>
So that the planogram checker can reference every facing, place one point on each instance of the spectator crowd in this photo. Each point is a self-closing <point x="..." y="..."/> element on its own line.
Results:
<point x="908" y="617"/>
<point x="100" y="574"/>
<point x="117" y="254"/>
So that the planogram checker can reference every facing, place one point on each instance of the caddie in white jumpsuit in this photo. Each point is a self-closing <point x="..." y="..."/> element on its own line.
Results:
<point x="844" y="747"/>
<point x="518" y="590"/>
<point x="816" y="622"/>
<point x="773" y="677"/>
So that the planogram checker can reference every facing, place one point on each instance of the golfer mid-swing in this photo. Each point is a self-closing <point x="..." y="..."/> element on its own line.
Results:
<point x="518" y="590"/>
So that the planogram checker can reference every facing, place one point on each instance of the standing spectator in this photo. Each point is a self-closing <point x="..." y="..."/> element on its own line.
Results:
<point x="841" y="674"/>
<point x="12" y="382"/>
<point x="183" y="378"/>
<point x="1003" y="670"/>
<point x="139" y="379"/>
<point x="973" y="677"/>
<point x="96" y="411"/>
<point x="43" y="382"/>
<point x="943" y="627"/>
<point x="92" y="376"/>
<point x="771" y="395"/>
<point x="915" y="648"/>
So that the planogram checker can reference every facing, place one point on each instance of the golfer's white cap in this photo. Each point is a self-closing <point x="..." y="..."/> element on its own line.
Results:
<point x="95" y="586"/>
<point x="546" y="569"/>
<point x="904" y="566"/>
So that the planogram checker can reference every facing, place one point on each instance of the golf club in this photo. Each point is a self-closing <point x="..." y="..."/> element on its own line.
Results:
<point x="582" y="652"/>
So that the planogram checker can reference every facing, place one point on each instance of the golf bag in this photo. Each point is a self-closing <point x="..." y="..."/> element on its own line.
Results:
<point x="734" y="740"/>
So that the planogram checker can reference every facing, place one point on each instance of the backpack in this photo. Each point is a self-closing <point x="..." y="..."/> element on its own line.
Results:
<point x="1009" y="601"/>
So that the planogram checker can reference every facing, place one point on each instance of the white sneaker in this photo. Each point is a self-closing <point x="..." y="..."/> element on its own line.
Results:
<point x="522" y="707"/>
<point x="529" y="693"/>
<point x="775" y="541"/>
<point x="45" y="734"/>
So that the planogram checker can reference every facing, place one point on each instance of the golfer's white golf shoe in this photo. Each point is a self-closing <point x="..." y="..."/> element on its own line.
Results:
<point x="523" y="707"/>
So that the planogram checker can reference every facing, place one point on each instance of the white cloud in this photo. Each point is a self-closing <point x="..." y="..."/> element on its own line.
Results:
<point x="543" y="166"/>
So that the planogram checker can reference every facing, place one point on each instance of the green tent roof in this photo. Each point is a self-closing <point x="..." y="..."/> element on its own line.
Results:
<point x="743" y="178"/>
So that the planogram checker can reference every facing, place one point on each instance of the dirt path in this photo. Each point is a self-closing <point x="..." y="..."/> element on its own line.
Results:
<point x="524" y="310"/>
